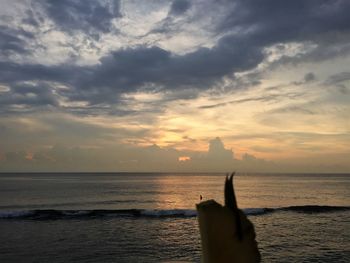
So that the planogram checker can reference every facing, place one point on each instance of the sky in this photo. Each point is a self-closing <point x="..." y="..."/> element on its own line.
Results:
<point x="175" y="86"/>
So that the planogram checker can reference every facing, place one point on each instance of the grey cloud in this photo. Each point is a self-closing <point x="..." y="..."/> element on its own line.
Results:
<point x="31" y="19"/>
<point x="187" y="138"/>
<point x="313" y="136"/>
<point x="299" y="140"/>
<point x="343" y="89"/>
<point x="179" y="7"/>
<point x="329" y="46"/>
<point x="249" y="157"/>
<point x="309" y="77"/>
<point x="129" y="69"/>
<point x="169" y="25"/>
<point x="122" y="109"/>
<point x="265" y="98"/>
<point x="218" y="158"/>
<point x="91" y="17"/>
<point x="89" y="132"/>
<point x="265" y="149"/>
<point x="55" y="128"/>
<point x="132" y="69"/>
<point x="292" y="109"/>
<point x="156" y="159"/>
<point x="339" y="81"/>
<point x="217" y="151"/>
<point x="125" y="158"/>
<point x="15" y="157"/>
<point x="324" y="23"/>
<point x="279" y="21"/>
<point x="30" y="95"/>
<point x="11" y="72"/>
<point x="338" y="78"/>
<point x="13" y="41"/>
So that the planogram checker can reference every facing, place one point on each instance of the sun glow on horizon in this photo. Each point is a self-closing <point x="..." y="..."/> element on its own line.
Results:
<point x="158" y="82"/>
<point x="184" y="158"/>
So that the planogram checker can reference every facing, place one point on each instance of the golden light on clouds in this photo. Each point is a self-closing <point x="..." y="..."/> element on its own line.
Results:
<point x="149" y="86"/>
<point x="184" y="158"/>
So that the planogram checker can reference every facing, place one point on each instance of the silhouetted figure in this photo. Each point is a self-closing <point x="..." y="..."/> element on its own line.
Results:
<point x="231" y="202"/>
<point x="227" y="234"/>
<point x="200" y="197"/>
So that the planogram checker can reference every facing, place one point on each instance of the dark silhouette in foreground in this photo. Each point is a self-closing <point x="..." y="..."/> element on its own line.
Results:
<point x="227" y="234"/>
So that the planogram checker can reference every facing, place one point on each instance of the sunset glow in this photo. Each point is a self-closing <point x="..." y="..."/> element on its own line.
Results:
<point x="153" y="81"/>
<point x="184" y="158"/>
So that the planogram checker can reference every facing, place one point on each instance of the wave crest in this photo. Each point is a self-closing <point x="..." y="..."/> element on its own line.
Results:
<point x="52" y="214"/>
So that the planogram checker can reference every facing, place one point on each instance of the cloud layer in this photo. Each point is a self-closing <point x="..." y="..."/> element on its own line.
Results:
<point x="248" y="28"/>
<point x="165" y="66"/>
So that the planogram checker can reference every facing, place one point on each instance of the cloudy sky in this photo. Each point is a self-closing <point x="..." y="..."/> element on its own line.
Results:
<point x="175" y="85"/>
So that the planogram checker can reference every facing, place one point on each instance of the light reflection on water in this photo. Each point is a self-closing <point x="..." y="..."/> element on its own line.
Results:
<point x="167" y="191"/>
<point x="283" y="236"/>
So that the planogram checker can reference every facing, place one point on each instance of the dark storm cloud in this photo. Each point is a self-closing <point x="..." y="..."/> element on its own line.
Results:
<point x="31" y="19"/>
<point x="129" y="69"/>
<point x="260" y="25"/>
<point x="179" y="7"/>
<point x="26" y="94"/>
<point x="168" y="25"/>
<point x="272" y="21"/>
<point x="11" y="72"/>
<point x="13" y="41"/>
<point x="87" y="16"/>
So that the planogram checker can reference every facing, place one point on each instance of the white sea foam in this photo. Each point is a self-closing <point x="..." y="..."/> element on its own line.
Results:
<point x="160" y="213"/>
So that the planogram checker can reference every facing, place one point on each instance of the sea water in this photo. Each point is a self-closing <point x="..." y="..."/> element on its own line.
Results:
<point x="129" y="217"/>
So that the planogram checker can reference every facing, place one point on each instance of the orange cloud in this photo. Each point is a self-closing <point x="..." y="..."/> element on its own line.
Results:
<point x="184" y="158"/>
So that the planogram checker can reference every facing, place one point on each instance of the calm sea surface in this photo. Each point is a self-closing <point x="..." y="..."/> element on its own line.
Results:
<point x="152" y="217"/>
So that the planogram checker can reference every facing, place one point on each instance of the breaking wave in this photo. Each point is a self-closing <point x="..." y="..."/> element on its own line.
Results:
<point x="52" y="214"/>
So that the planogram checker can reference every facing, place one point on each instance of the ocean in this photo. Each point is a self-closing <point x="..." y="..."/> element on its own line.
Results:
<point x="151" y="217"/>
